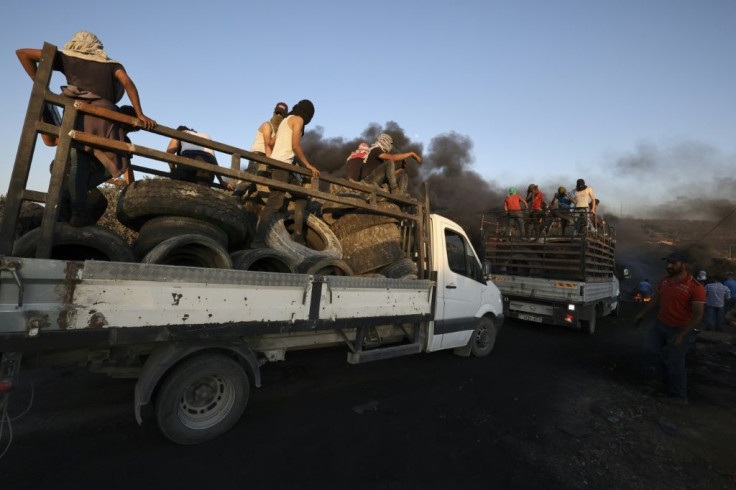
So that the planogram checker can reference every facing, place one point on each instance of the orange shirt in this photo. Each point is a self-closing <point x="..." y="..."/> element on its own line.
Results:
<point x="676" y="299"/>
<point x="513" y="202"/>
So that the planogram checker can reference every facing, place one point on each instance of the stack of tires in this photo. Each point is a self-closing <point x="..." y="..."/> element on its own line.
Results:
<point x="186" y="224"/>
<point x="371" y="243"/>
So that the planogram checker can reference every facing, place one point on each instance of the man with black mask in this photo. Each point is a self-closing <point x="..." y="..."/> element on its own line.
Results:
<point x="285" y="149"/>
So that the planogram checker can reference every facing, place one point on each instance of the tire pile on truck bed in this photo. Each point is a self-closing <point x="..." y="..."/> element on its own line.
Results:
<point x="181" y="223"/>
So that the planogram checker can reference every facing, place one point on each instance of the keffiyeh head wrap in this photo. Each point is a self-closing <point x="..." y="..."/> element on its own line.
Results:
<point x="384" y="141"/>
<point x="87" y="46"/>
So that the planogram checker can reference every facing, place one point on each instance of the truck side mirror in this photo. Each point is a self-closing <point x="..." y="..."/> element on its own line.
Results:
<point x="487" y="269"/>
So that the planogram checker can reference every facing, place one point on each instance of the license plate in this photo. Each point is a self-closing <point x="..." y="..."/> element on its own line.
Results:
<point x="530" y="318"/>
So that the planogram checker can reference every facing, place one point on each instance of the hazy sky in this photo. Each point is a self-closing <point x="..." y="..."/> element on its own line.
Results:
<point x="636" y="96"/>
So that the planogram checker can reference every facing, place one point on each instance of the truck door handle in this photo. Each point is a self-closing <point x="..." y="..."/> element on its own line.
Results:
<point x="451" y="286"/>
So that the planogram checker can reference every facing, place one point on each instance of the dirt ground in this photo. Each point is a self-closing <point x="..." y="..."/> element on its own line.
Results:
<point x="549" y="408"/>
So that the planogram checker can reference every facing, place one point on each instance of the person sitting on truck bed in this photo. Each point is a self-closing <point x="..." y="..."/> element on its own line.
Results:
<point x="96" y="79"/>
<point x="512" y="207"/>
<point x="379" y="165"/>
<point x="195" y="152"/>
<point x="286" y="148"/>
<point x="263" y="145"/>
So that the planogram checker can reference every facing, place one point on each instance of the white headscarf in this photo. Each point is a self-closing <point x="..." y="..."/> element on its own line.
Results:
<point x="384" y="141"/>
<point x="86" y="46"/>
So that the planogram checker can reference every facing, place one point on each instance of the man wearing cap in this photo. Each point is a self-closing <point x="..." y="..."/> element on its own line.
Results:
<point x="535" y="199"/>
<point x="263" y="144"/>
<point x="680" y="300"/>
<point x="287" y="148"/>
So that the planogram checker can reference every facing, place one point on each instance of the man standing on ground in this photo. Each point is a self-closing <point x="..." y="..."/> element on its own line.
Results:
<point x="716" y="297"/>
<point x="680" y="301"/>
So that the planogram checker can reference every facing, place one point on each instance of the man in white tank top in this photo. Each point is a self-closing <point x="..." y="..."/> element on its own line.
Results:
<point x="262" y="145"/>
<point x="584" y="201"/>
<point x="286" y="147"/>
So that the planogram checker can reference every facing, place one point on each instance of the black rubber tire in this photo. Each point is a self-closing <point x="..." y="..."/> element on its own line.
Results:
<point x="146" y="199"/>
<point x="262" y="260"/>
<point x="588" y="326"/>
<point x="201" y="398"/>
<point x="82" y="243"/>
<point x="483" y="338"/>
<point x="320" y="266"/>
<point x="400" y="269"/>
<point x="321" y="242"/>
<point x="191" y="251"/>
<point x="161" y="228"/>
<point x="359" y="220"/>
<point x="372" y="248"/>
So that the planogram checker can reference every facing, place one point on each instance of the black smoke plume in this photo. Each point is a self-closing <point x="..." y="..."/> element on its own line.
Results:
<point x="455" y="190"/>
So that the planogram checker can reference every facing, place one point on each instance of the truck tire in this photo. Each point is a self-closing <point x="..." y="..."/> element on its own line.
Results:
<point x="189" y="250"/>
<point x="399" y="269"/>
<point x="371" y="248"/>
<point x="321" y="242"/>
<point x="161" y="228"/>
<point x="318" y="266"/>
<point x="588" y="326"/>
<point x="483" y="338"/>
<point x="355" y="221"/>
<point x="83" y="243"/>
<point x="146" y="199"/>
<point x="262" y="260"/>
<point x="201" y="398"/>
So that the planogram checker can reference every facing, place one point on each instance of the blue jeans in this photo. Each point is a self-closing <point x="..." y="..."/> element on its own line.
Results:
<point x="715" y="317"/>
<point x="669" y="359"/>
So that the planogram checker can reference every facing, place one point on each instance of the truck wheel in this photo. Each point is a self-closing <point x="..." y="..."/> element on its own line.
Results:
<point x="263" y="260"/>
<point x="189" y="250"/>
<point x="588" y="326"/>
<point x="84" y="243"/>
<point x="484" y="338"/>
<point x="201" y="398"/>
<point x="146" y="199"/>
<point x="162" y="228"/>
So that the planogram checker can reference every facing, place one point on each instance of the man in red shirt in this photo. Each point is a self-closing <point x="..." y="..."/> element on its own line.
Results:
<point x="535" y="198"/>
<point x="512" y="206"/>
<point x="680" y="300"/>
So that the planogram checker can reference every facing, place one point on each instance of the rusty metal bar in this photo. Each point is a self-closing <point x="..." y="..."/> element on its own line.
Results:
<point x="26" y="146"/>
<point x="56" y="186"/>
<point x="99" y="142"/>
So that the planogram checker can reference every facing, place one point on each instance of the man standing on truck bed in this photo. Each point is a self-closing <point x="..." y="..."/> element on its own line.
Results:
<point x="263" y="145"/>
<point x="285" y="149"/>
<point x="680" y="301"/>
<point x="514" y="214"/>
<point x="96" y="79"/>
